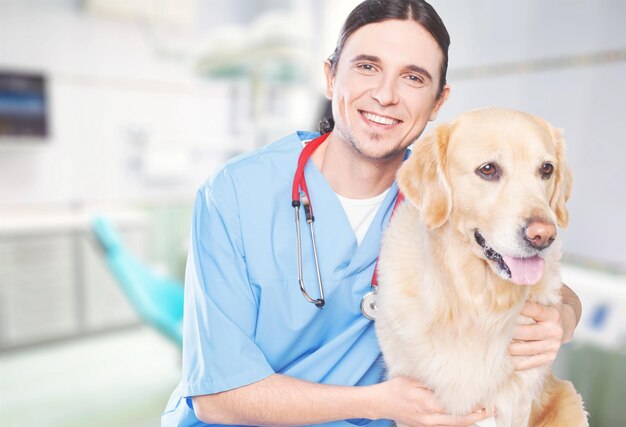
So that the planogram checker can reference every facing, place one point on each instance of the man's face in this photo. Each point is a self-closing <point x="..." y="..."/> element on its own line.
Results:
<point x="384" y="89"/>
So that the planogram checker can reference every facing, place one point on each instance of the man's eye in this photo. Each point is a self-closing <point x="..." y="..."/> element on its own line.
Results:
<point x="366" y="67"/>
<point x="416" y="79"/>
<point x="489" y="171"/>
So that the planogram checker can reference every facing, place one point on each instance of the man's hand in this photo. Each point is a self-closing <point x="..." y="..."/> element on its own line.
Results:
<point x="538" y="343"/>
<point x="410" y="402"/>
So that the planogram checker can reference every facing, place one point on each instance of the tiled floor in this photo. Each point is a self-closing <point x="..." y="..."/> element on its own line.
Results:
<point x="120" y="379"/>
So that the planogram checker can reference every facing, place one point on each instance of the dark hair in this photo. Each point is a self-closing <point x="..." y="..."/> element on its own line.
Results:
<point x="372" y="11"/>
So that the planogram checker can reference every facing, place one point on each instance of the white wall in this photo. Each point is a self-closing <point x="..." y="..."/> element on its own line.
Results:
<point x="127" y="122"/>
<point x="131" y="117"/>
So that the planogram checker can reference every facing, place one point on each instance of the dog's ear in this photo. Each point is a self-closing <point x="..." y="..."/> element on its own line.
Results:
<point x="422" y="178"/>
<point x="563" y="181"/>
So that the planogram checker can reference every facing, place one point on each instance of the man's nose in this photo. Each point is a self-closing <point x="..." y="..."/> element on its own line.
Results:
<point x="385" y="92"/>
<point x="540" y="233"/>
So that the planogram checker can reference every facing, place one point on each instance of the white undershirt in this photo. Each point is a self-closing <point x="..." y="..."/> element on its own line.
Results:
<point x="361" y="213"/>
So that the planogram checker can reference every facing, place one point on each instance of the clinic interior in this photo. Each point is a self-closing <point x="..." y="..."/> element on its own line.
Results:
<point x="128" y="106"/>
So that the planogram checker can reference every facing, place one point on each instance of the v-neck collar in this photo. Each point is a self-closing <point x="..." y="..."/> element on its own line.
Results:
<point x="330" y="217"/>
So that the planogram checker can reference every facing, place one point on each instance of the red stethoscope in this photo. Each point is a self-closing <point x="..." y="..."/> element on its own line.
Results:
<point x="300" y="197"/>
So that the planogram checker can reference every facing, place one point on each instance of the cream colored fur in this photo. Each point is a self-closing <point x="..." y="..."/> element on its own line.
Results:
<point x="446" y="314"/>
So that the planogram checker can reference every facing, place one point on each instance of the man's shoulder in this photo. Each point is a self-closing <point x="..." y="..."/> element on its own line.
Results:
<point x="273" y="161"/>
<point x="283" y="149"/>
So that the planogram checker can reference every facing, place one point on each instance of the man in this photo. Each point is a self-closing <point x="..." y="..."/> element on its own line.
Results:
<point x="255" y="352"/>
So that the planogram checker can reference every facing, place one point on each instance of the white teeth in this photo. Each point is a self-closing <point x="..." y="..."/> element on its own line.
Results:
<point x="380" y="120"/>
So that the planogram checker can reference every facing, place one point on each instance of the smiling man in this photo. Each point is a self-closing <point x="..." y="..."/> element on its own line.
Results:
<point x="255" y="350"/>
<point x="384" y="88"/>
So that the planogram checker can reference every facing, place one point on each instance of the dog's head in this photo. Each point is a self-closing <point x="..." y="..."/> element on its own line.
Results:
<point x="500" y="179"/>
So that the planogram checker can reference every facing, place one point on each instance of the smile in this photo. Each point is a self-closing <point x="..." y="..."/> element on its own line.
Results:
<point x="519" y="270"/>
<point x="381" y="120"/>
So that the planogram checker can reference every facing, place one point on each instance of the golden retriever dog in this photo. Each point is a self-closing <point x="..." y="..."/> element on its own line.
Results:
<point x="475" y="239"/>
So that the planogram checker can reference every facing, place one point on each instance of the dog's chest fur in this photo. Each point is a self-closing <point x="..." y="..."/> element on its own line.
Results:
<point x="445" y="319"/>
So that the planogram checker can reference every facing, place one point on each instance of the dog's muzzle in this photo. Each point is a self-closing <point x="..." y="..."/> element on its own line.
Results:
<point x="519" y="270"/>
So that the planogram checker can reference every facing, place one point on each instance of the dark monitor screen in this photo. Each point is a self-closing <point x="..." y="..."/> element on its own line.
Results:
<point x="23" y="105"/>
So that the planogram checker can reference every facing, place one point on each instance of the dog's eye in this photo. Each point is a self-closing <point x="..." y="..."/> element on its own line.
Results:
<point x="488" y="171"/>
<point x="547" y="169"/>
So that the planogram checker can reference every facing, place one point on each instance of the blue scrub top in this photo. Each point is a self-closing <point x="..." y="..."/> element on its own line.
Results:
<point x="245" y="317"/>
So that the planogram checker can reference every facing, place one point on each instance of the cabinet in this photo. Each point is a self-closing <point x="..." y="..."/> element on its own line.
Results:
<point x="54" y="282"/>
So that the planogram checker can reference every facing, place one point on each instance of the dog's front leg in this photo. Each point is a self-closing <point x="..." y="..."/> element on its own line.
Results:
<point x="522" y="414"/>
<point x="513" y="408"/>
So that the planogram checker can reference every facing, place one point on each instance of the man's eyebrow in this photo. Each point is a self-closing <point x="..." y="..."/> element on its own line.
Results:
<point x="363" y="57"/>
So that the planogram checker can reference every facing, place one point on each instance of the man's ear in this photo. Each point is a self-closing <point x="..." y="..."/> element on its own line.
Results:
<point x="443" y="97"/>
<point x="563" y="182"/>
<point x="422" y="178"/>
<point x="330" y="79"/>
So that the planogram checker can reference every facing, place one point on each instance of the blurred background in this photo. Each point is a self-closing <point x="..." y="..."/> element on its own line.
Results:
<point x="113" y="112"/>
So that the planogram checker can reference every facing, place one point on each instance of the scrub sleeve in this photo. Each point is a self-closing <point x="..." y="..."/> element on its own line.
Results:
<point x="219" y="352"/>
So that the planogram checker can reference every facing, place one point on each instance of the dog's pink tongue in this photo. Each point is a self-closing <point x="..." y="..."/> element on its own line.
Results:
<point x="525" y="271"/>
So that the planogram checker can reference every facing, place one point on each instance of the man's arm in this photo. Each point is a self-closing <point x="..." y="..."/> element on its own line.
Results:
<point x="538" y="344"/>
<point x="571" y="309"/>
<point x="279" y="400"/>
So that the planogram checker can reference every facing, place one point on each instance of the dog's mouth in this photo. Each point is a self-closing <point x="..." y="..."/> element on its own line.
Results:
<point x="521" y="271"/>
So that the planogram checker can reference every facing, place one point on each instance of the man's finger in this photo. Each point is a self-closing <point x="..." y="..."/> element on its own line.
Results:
<point x="538" y="332"/>
<point x="521" y="363"/>
<point x="530" y="348"/>
<point x="528" y="333"/>
<point x="538" y="312"/>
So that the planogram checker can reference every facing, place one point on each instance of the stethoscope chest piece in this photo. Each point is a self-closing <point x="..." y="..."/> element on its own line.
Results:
<point x="368" y="305"/>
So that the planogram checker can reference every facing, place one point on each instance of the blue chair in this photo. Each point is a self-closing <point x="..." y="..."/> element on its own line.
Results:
<point x="158" y="300"/>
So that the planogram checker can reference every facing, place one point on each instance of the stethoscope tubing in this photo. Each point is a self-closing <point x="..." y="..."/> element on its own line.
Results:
<point x="300" y="198"/>
<point x="297" y="200"/>
<point x="319" y="302"/>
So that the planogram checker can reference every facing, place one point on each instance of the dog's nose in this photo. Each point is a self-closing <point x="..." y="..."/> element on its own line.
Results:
<point x="540" y="234"/>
